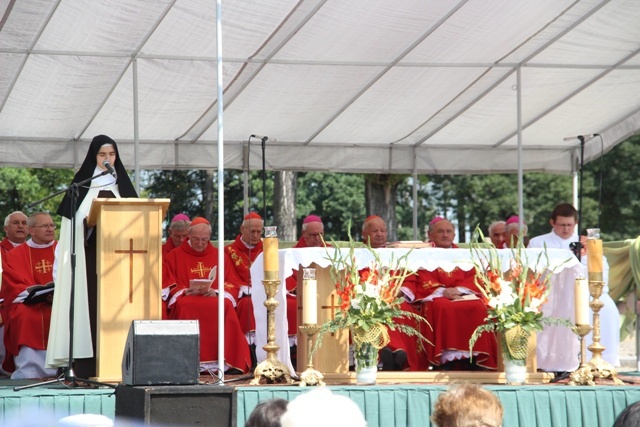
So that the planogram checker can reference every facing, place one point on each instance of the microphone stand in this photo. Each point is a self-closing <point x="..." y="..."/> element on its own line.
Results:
<point x="69" y="374"/>
<point x="579" y="245"/>
<point x="264" y="178"/>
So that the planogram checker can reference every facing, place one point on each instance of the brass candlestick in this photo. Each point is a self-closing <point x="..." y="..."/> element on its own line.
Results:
<point x="578" y="376"/>
<point x="271" y="368"/>
<point x="597" y="366"/>
<point x="310" y="376"/>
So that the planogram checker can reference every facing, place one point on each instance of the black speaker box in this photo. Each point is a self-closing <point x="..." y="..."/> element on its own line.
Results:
<point x="162" y="352"/>
<point x="196" y="405"/>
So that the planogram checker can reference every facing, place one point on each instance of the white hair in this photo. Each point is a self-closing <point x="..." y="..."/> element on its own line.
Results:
<point x="495" y="224"/>
<point x="6" y="220"/>
<point x="322" y="408"/>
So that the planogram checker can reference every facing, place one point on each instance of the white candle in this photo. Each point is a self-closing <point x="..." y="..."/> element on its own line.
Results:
<point x="582" y="301"/>
<point x="309" y="302"/>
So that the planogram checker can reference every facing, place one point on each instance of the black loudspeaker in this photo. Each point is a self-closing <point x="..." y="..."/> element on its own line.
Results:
<point x="162" y="352"/>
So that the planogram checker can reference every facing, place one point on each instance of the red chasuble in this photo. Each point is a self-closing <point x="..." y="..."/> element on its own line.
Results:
<point x="183" y="264"/>
<point x="453" y="322"/>
<point x="167" y="247"/>
<point x="26" y="325"/>
<point x="5" y="246"/>
<point x="241" y="258"/>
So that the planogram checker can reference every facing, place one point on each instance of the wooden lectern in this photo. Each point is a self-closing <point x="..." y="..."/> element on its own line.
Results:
<point x="129" y="270"/>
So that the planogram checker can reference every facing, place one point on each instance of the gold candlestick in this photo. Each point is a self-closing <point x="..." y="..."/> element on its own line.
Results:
<point x="581" y="375"/>
<point x="271" y="368"/>
<point x="310" y="376"/>
<point x="597" y="366"/>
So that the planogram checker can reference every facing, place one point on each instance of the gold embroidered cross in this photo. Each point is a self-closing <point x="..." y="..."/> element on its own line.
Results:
<point x="131" y="251"/>
<point x="201" y="270"/>
<point x="43" y="266"/>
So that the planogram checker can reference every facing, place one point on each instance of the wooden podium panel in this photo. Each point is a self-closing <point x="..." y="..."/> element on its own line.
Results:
<point x="333" y="355"/>
<point x="129" y="270"/>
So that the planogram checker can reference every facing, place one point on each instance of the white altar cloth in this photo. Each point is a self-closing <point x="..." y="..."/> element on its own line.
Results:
<point x="558" y="347"/>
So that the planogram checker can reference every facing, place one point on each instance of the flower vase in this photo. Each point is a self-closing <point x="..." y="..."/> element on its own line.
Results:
<point x="366" y="356"/>
<point x="515" y="370"/>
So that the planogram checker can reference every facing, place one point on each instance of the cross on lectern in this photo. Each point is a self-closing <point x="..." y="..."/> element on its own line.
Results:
<point x="131" y="251"/>
<point x="332" y="307"/>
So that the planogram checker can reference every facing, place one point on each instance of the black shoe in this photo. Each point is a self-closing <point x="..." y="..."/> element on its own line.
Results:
<point x="254" y="359"/>
<point x="400" y="360"/>
<point x="387" y="359"/>
<point x="233" y="371"/>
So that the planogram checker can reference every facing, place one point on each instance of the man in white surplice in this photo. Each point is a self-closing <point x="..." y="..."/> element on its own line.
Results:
<point x="558" y="348"/>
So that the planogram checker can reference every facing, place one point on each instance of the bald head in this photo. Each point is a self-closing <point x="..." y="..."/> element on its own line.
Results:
<point x="441" y="233"/>
<point x="374" y="232"/>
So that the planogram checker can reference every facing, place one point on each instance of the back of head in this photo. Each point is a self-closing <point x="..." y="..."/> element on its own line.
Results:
<point x="467" y="405"/>
<point x="630" y="416"/>
<point x="267" y="413"/>
<point x="322" y="408"/>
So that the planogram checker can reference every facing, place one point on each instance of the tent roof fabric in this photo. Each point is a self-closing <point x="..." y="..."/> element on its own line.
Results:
<point x="372" y="86"/>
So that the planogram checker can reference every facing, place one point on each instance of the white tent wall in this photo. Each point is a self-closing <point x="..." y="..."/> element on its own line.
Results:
<point x="345" y="86"/>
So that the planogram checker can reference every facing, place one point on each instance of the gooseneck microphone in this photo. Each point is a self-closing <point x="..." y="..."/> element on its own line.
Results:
<point x="263" y="138"/>
<point x="109" y="168"/>
<point x="581" y="137"/>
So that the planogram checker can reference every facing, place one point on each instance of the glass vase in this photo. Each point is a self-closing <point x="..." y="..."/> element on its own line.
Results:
<point x="515" y="370"/>
<point x="366" y="356"/>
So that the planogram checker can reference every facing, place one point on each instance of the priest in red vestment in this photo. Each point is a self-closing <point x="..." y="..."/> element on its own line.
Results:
<point x="27" y="319"/>
<point x="178" y="231"/>
<point x="194" y="259"/>
<point x="453" y="318"/>
<point x="241" y="254"/>
<point x="402" y="351"/>
<point x="15" y="231"/>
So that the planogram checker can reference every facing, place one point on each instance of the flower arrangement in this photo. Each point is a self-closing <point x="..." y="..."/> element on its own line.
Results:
<point x="514" y="298"/>
<point x="369" y="300"/>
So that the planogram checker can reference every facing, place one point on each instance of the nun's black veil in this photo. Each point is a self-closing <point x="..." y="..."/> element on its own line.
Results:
<point x="86" y="171"/>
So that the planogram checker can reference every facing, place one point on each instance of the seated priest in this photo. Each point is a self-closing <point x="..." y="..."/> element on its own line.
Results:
<point x="241" y="254"/>
<point x="26" y="316"/>
<point x="194" y="259"/>
<point x="514" y="231"/>
<point x="402" y="351"/>
<point x="178" y="231"/>
<point x="453" y="317"/>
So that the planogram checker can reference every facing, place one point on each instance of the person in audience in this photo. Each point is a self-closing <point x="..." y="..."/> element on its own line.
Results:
<point x="321" y="407"/>
<point x="497" y="231"/>
<point x="26" y="317"/>
<point x="629" y="417"/>
<point x="447" y="297"/>
<point x="15" y="231"/>
<point x="178" y="231"/>
<point x="514" y="232"/>
<point x="194" y="259"/>
<point x="241" y="254"/>
<point x="267" y="413"/>
<point x="374" y="232"/>
<point x="564" y="219"/>
<point x="467" y="405"/>
<point x="401" y="353"/>
<point x="103" y="183"/>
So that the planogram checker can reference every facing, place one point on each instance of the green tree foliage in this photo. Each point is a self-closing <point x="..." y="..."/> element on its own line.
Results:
<point x="620" y="205"/>
<point x="337" y="198"/>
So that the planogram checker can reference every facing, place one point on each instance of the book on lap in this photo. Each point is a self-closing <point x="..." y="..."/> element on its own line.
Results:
<point x="38" y="293"/>
<point x="202" y="286"/>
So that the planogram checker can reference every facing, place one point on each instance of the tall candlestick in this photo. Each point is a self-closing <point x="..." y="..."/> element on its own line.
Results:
<point x="310" y="297"/>
<point x="270" y="249"/>
<point x="581" y="290"/>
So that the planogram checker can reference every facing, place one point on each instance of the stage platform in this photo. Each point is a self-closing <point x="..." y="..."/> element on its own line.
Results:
<point x="385" y="405"/>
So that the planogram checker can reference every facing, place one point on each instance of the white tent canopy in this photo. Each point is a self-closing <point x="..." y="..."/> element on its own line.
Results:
<point x="381" y="86"/>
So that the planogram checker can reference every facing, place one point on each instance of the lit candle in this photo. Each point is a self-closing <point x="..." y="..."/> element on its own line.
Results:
<point x="270" y="249"/>
<point x="581" y="289"/>
<point x="310" y="297"/>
